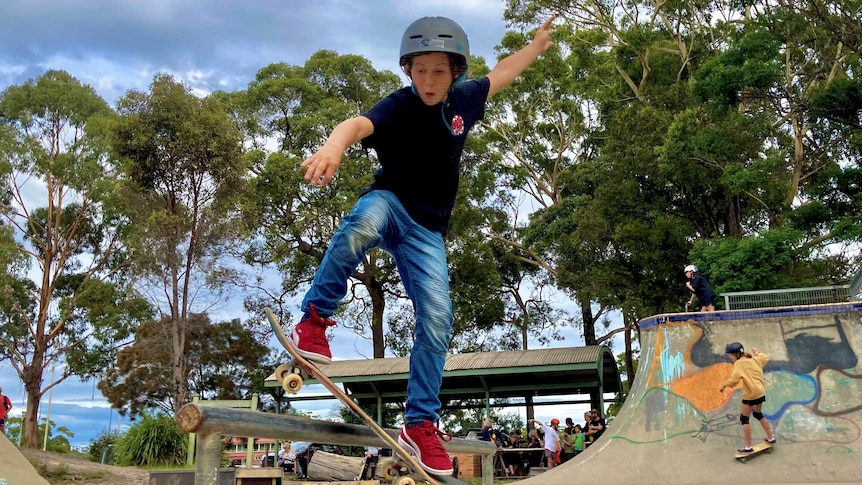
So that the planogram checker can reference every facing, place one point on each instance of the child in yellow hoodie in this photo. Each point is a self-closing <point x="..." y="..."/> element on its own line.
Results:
<point x="748" y="368"/>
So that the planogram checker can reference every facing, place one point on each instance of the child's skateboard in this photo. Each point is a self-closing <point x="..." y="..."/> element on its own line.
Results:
<point x="291" y="376"/>
<point x="758" y="448"/>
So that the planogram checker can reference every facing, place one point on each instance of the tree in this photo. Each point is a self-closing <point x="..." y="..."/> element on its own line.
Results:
<point x="183" y="177"/>
<point x="219" y="360"/>
<point x="78" y="307"/>
<point x="56" y="441"/>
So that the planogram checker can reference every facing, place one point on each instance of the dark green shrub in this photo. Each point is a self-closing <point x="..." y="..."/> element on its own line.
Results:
<point x="153" y="440"/>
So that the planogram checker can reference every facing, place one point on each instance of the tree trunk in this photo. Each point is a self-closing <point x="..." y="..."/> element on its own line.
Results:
<point x="33" y="388"/>
<point x="179" y="366"/>
<point x="378" y="306"/>
<point x="588" y="321"/>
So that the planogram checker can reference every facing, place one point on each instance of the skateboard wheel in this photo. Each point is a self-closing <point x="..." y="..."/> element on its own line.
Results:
<point x="390" y="469"/>
<point x="405" y="481"/>
<point x="292" y="383"/>
<point x="282" y="371"/>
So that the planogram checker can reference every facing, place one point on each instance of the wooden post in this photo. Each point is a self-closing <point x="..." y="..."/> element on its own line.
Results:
<point x="249" y="443"/>
<point x="190" y="458"/>
<point x="208" y="451"/>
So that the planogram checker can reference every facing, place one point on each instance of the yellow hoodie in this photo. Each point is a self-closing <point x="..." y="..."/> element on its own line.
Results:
<point x="750" y="371"/>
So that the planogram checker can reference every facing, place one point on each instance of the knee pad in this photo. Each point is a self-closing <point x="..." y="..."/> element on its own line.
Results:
<point x="757" y="415"/>
<point x="743" y="419"/>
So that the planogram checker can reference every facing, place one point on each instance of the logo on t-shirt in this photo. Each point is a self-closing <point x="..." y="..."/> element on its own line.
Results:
<point x="457" y="125"/>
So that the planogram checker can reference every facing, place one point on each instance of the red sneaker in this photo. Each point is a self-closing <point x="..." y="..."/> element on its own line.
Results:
<point x="309" y="337"/>
<point x="423" y="441"/>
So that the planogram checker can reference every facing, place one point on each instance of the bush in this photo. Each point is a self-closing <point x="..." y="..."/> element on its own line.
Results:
<point x="101" y="447"/>
<point x="154" y="440"/>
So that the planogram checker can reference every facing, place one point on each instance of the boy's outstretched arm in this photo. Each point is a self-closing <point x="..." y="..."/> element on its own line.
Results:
<point x="322" y="165"/>
<point x="511" y="67"/>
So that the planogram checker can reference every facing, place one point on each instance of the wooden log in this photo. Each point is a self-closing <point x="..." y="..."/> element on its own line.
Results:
<point x="330" y="467"/>
<point x="197" y="418"/>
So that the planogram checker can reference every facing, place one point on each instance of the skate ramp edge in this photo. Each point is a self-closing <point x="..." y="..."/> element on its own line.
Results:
<point x="15" y="469"/>
<point x="677" y="428"/>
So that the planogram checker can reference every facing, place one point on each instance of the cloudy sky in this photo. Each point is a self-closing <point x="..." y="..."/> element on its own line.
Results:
<point x="118" y="45"/>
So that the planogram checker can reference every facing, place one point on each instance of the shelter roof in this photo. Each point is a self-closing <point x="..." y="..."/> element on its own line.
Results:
<point x="480" y="375"/>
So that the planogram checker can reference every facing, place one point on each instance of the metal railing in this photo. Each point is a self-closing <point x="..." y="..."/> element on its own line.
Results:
<point x="211" y="423"/>
<point x="742" y="300"/>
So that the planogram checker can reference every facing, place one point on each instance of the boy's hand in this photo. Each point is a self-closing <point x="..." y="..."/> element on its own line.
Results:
<point x="321" y="167"/>
<point x="542" y="38"/>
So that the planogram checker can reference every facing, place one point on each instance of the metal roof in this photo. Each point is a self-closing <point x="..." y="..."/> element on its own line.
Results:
<point x="480" y="375"/>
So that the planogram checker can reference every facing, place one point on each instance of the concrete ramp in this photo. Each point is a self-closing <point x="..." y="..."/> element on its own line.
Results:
<point x="14" y="468"/>
<point x="676" y="428"/>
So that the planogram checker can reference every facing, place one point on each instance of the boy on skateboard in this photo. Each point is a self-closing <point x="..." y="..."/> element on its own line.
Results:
<point x="418" y="133"/>
<point x="700" y="288"/>
<point x="748" y="368"/>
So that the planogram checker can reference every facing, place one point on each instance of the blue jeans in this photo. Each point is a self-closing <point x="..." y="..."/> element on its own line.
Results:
<point x="379" y="220"/>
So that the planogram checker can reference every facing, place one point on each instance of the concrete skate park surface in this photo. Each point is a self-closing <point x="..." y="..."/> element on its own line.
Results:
<point x="676" y="428"/>
<point x="14" y="468"/>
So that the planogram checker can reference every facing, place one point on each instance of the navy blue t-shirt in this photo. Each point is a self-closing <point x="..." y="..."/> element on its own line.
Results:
<point x="703" y="290"/>
<point x="419" y="156"/>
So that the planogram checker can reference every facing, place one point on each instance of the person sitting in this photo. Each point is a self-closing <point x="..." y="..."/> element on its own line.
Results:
<point x="286" y="457"/>
<point x="512" y="459"/>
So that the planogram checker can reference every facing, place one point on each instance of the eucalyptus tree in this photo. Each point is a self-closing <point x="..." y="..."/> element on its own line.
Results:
<point x="184" y="176"/>
<point x="66" y="300"/>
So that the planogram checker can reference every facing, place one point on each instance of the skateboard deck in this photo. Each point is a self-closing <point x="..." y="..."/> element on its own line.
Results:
<point x="758" y="448"/>
<point x="291" y="376"/>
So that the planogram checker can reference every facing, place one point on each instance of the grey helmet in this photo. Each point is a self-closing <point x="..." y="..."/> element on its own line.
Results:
<point x="690" y="267"/>
<point x="734" y="348"/>
<point x="435" y="34"/>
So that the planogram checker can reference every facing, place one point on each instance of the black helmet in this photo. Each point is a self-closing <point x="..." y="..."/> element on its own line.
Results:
<point x="435" y="34"/>
<point x="733" y="348"/>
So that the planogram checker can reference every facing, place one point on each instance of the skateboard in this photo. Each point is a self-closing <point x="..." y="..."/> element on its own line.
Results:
<point x="758" y="448"/>
<point x="293" y="373"/>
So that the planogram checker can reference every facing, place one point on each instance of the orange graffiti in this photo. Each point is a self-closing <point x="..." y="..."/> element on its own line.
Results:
<point x="701" y="388"/>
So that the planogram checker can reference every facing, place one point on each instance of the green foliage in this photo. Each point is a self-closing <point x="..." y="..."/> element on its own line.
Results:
<point x="391" y="414"/>
<point x="152" y="440"/>
<point x="751" y="64"/>
<point x="218" y="357"/>
<point x="472" y="415"/>
<point x="771" y="260"/>
<point x="57" y="439"/>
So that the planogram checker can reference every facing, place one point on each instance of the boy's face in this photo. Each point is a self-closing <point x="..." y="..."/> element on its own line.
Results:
<point x="432" y="76"/>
